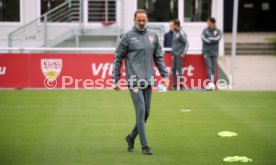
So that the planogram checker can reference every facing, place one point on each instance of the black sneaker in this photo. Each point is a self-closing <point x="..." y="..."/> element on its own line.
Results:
<point x="130" y="142"/>
<point x="146" y="150"/>
<point x="182" y="88"/>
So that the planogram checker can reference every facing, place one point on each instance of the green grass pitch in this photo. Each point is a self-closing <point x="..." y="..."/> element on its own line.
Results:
<point x="89" y="127"/>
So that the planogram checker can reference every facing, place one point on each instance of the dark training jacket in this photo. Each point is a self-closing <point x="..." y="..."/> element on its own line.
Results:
<point x="179" y="43"/>
<point x="210" y="39"/>
<point x="140" y="49"/>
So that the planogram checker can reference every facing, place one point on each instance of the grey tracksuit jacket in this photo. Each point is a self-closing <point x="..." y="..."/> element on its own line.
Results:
<point x="140" y="49"/>
<point x="210" y="39"/>
<point x="180" y="43"/>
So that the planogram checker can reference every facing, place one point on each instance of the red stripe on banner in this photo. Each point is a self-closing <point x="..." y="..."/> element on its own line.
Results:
<point x="14" y="71"/>
<point x="79" y="70"/>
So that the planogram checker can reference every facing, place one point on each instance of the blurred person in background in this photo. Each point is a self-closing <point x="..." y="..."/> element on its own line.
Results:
<point x="179" y="49"/>
<point x="210" y="39"/>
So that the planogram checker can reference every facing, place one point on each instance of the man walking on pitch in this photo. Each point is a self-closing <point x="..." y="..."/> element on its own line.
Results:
<point x="210" y="39"/>
<point x="179" y="49"/>
<point x="140" y="48"/>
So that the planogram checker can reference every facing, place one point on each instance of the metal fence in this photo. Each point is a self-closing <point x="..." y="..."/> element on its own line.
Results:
<point x="102" y="11"/>
<point x="43" y="30"/>
<point x="63" y="22"/>
<point x="98" y="50"/>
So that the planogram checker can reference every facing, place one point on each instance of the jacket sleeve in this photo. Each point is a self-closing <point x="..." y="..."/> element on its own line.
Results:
<point x="205" y="38"/>
<point x="184" y="39"/>
<point x="217" y="38"/>
<point x="159" y="59"/>
<point x="120" y="53"/>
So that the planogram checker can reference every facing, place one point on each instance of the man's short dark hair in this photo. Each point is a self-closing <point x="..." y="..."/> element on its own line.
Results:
<point x="138" y="11"/>
<point x="176" y="22"/>
<point x="211" y="19"/>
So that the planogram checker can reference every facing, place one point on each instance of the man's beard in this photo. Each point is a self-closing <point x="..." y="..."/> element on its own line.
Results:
<point x="141" y="28"/>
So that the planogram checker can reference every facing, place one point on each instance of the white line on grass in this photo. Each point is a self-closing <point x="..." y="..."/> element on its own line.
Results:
<point x="185" y="110"/>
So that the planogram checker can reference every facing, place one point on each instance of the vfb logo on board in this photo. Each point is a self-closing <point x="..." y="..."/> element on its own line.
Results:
<point x="51" y="68"/>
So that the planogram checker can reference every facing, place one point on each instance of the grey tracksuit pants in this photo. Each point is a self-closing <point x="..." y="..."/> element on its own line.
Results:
<point x="211" y="65"/>
<point x="141" y="101"/>
<point x="177" y="69"/>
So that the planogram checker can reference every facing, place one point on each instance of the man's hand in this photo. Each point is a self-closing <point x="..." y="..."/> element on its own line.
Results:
<point x="116" y="87"/>
<point x="182" y="55"/>
<point x="167" y="81"/>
